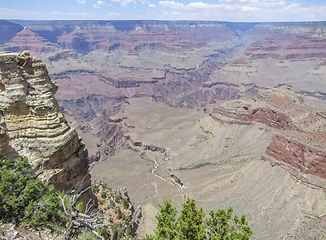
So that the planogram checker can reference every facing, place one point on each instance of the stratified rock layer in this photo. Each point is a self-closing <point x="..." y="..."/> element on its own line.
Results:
<point x="32" y="125"/>
<point x="306" y="159"/>
<point x="28" y="40"/>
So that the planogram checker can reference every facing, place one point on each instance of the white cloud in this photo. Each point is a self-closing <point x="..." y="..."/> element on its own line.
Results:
<point x="291" y="7"/>
<point x="126" y="2"/>
<point x="190" y="6"/>
<point x="99" y="3"/>
<point x="41" y="15"/>
<point x="112" y="14"/>
<point x="171" y="4"/>
<point x="270" y="3"/>
<point x="264" y="2"/>
<point x="247" y="10"/>
<point x="151" y="5"/>
<point x="8" y="13"/>
<point x="224" y="4"/>
<point x="81" y="1"/>
<point x="234" y="1"/>
<point x="201" y="5"/>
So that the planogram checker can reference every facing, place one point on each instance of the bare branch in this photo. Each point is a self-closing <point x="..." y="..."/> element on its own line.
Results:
<point x="82" y="192"/>
<point x="78" y="220"/>
<point x="63" y="203"/>
<point x="79" y="214"/>
<point x="89" y="206"/>
<point x="102" y="225"/>
<point x="94" y="212"/>
<point x="213" y="230"/>
<point x="98" y="235"/>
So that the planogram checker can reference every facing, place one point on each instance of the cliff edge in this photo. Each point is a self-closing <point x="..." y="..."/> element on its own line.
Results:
<point x="32" y="126"/>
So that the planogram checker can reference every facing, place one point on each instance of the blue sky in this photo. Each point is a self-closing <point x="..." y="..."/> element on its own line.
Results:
<point x="218" y="10"/>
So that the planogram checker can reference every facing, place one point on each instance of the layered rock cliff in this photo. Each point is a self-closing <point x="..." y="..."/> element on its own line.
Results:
<point x="32" y="126"/>
<point x="28" y="40"/>
<point x="298" y="134"/>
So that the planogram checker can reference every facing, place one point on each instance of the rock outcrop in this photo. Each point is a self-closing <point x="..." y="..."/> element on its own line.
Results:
<point x="32" y="126"/>
<point x="306" y="159"/>
<point x="5" y="149"/>
<point x="298" y="133"/>
<point x="244" y="112"/>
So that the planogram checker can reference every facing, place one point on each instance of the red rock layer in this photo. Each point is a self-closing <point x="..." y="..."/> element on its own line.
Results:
<point x="241" y="113"/>
<point x="306" y="159"/>
<point x="271" y="118"/>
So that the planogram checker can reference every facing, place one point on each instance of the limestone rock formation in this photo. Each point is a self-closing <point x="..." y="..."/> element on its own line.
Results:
<point x="4" y="140"/>
<point x="32" y="126"/>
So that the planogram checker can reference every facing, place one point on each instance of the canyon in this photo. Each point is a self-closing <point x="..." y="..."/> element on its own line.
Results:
<point x="230" y="114"/>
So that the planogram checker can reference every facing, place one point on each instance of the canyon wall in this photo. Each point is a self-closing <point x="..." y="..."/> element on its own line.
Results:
<point x="32" y="126"/>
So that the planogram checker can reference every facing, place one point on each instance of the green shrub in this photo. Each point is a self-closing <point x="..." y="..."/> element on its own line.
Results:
<point x="118" y="197"/>
<point x="80" y="207"/>
<point x="102" y="231"/>
<point x="114" y="231"/>
<point x="95" y="189"/>
<point x="117" y="232"/>
<point x="105" y="185"/>
<point x="119" y="213"/>
<point x="23" y="197"/>
<point x="87" y="235"/>
<point x="104" y="195"/>
<point x="125" y="203"/>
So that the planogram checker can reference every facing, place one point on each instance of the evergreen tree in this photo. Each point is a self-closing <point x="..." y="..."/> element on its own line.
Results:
<point x="166" y="221"/>
<point x="189" y="224"/>
<point x="222" y="226"/>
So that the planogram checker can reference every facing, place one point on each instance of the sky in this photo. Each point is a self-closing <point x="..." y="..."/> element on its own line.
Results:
<point x="215" y="10"/>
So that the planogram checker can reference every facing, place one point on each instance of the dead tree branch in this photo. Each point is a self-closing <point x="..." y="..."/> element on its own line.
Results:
<point x="78" y="220"/>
